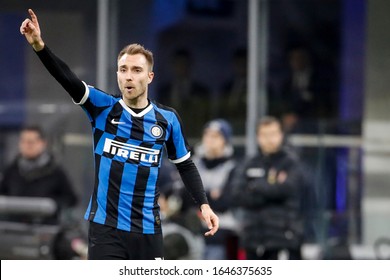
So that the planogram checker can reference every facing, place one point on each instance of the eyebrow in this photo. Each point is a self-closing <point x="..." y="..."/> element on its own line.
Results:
<point x="133" y="66"/>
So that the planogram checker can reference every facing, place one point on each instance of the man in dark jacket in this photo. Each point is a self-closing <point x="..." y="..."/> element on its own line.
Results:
<point x="267" y="189"/>
<point x="34" y="173"/>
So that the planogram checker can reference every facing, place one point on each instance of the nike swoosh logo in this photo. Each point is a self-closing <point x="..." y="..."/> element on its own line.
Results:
<point x="113" y="121"/>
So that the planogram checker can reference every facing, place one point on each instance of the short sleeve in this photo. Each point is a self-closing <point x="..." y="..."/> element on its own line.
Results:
<point x="177" y="146"/>
<point x="95" y="100"/>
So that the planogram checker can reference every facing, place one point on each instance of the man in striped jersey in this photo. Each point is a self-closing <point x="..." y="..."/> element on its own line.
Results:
<point x="129" y="135"/>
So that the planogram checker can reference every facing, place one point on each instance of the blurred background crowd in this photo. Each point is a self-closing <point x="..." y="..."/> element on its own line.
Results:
<point x="308" y="179"/>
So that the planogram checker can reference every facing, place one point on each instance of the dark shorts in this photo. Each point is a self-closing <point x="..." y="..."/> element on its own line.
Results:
<point x="108" y="243"/>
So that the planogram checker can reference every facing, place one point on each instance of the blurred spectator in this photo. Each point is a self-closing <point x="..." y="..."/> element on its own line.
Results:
<point x="214" y="160"/>
<point x="184" y="93"/>
<point x="267" y="187"/>
<point x="306" y="93"/>
<point x="35" y="173"/>
<point x="232" y="99"/>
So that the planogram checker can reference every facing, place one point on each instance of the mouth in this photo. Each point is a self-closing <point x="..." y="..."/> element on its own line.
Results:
<point x="128" y="88"/>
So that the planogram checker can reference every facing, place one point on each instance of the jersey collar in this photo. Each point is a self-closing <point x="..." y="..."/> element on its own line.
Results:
<point x="134" y="114"/>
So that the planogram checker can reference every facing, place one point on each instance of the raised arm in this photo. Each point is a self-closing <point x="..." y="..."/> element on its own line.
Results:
<point x="57" y="68"/>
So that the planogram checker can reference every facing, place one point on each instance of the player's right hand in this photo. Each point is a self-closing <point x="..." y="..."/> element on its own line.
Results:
<point x="30" y="29"/>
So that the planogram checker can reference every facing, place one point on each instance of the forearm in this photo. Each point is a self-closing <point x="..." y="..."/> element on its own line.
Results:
<point x="62" y="73"/>
<point x="192" y="181"/>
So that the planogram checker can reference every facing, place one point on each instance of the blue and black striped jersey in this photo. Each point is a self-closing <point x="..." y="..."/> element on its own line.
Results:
<point x="128" y="149"/>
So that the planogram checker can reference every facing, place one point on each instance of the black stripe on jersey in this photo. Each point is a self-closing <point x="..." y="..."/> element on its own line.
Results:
<point x="94" y="205"/>
<point x="115" y="114"/>
<point x="114" y="185"/>
<point x="144" y="145"/>
<point x="169" y="144"/>
<point x="150" y="145"/>
<point x="156" y="208"/>
<point x="137" y="128"/>
<point x="137" y="204"/>
<point x="161" y="121"/>
<point x="95" y="111"/>
<point x="112" y="155"/>
<point x="96" y="136"/>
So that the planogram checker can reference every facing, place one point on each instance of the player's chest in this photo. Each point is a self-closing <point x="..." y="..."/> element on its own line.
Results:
<point x="144" y="129"/>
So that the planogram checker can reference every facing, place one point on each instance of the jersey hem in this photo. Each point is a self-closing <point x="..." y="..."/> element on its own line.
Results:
<point x="155" y="231"/>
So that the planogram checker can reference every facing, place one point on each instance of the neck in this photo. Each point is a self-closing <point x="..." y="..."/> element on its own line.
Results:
<point x="139" y="109"/>
<point x="137" y="103"/>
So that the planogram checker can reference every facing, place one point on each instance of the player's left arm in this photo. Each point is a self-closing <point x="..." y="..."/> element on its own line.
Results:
<point x="193" y="182"/>
<point x="179" y="153"/>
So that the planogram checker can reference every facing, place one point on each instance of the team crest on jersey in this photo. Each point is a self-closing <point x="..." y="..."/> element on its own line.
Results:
<point x="156" y="131"/>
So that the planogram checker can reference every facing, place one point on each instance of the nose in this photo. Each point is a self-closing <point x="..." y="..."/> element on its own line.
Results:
<point x="129" y="76"/>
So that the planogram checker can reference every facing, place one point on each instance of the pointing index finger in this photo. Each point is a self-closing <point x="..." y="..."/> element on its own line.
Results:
<point x="33" y="16"/>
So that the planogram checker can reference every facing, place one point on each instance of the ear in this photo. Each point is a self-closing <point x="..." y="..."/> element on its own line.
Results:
<point x="150" y="77"/>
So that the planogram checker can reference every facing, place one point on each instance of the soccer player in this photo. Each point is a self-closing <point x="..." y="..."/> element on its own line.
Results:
<point x="129" y="135"/>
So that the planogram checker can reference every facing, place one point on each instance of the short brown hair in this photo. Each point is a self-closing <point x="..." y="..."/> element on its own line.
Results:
<point x="267" y="120"/>
<point x="138" y="49"/>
